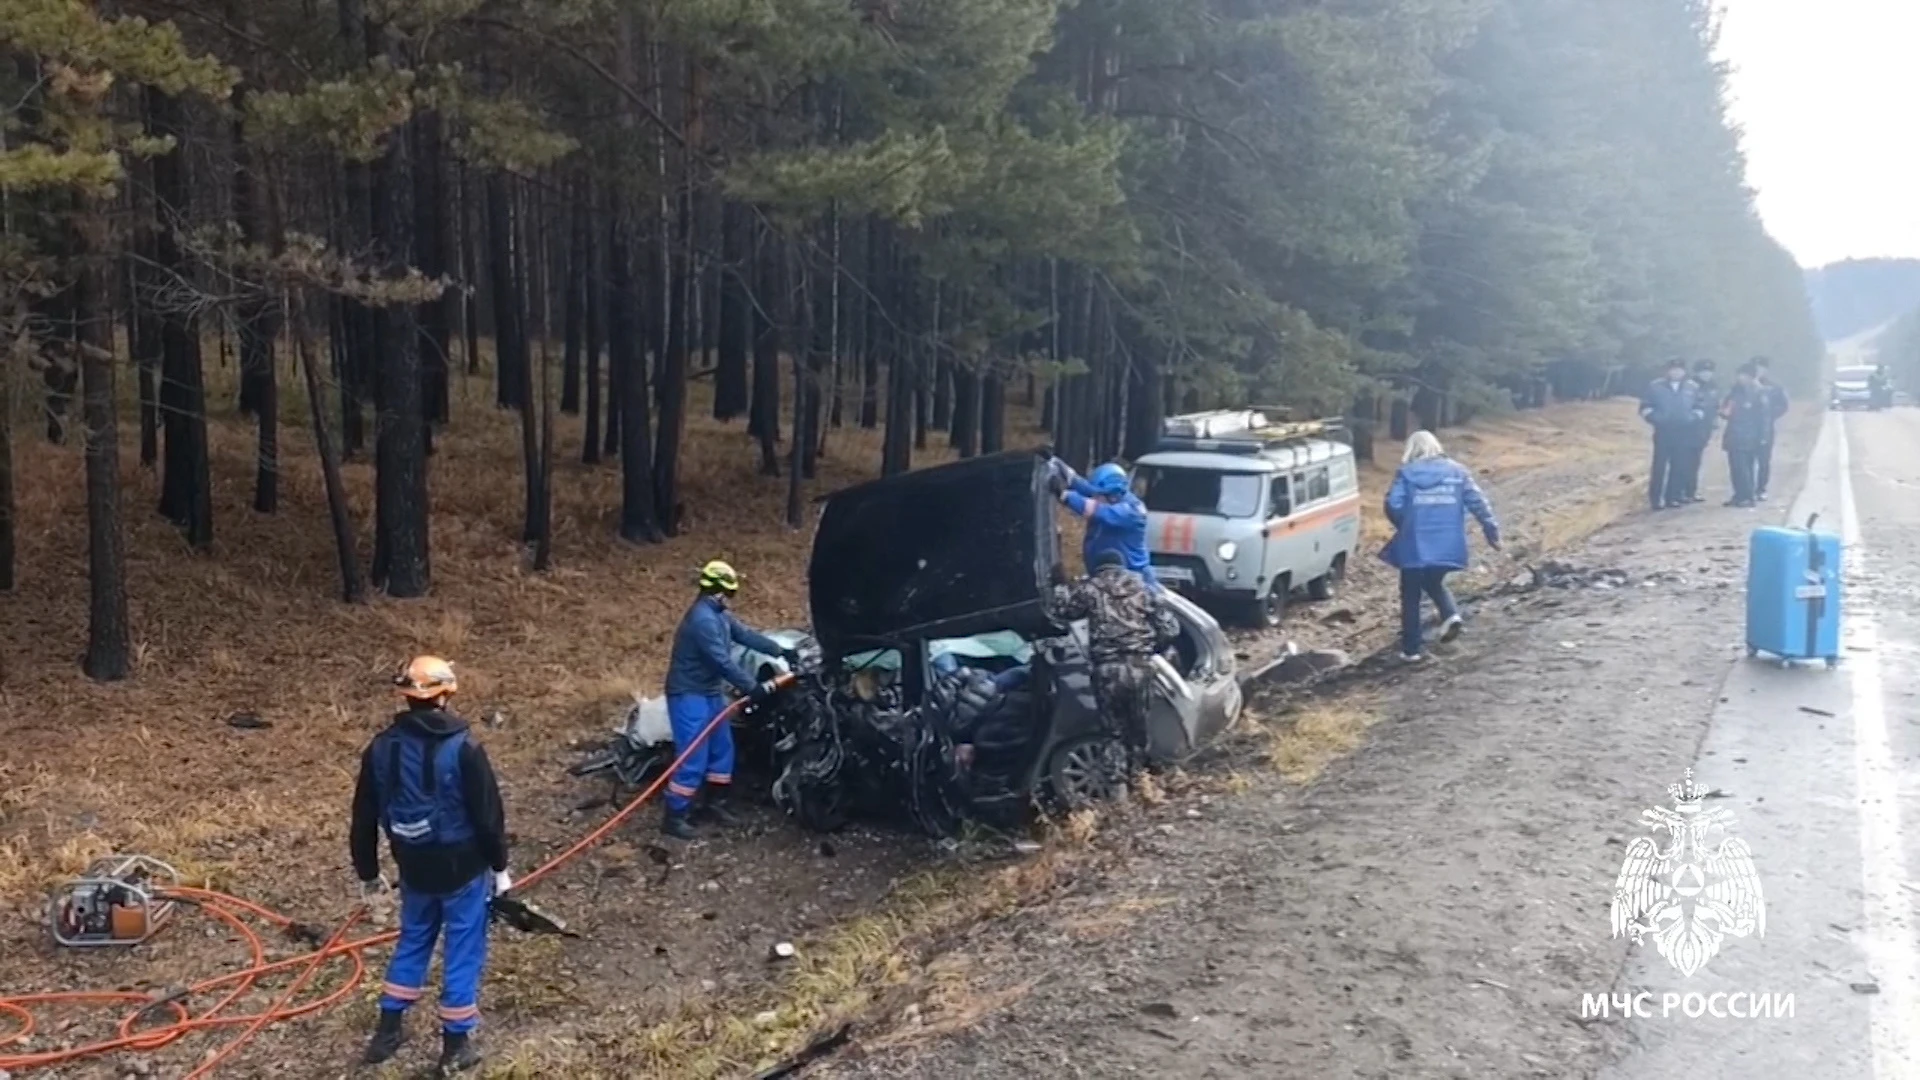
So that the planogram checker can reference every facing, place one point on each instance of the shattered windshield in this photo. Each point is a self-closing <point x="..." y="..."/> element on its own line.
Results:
<point x="1202" y="491"/>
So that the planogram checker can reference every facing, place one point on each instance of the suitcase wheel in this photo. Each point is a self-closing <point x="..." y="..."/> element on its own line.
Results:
<point x="1833" y="662"/>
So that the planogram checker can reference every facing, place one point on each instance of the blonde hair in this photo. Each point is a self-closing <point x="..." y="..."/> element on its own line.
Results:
<point x="1421" y="445"/>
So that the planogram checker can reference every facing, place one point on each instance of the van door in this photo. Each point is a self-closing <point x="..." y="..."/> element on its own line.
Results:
<point x="1273" y="536"/>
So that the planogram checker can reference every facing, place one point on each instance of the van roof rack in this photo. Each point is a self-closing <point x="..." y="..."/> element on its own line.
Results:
<point x="1246" y="431"/>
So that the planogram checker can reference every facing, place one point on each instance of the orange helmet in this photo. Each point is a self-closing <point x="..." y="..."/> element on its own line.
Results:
<point x="426" y="678"/>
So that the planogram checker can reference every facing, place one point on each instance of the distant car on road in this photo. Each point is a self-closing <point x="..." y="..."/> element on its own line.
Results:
<point x="1856" y="387"/>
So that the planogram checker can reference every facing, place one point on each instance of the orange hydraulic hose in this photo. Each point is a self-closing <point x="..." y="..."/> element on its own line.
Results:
<point x="279" y="1004"/>
<point x="232" y="911"/>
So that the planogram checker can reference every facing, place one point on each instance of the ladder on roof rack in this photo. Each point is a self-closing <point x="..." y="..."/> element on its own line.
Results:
<point x="1247" y="431"/>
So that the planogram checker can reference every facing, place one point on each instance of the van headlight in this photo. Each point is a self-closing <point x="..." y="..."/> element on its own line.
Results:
<point x="1227" y="550"/>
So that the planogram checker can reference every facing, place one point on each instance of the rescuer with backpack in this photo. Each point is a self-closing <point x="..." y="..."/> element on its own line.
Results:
<point x="430" y="788"/>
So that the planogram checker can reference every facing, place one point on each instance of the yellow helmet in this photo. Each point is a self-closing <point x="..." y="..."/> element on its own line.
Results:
<point x="718" y="576"/>
<point x="426" y="678"/>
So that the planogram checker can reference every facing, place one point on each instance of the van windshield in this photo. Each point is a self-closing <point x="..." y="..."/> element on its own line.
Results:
<point x="1853" y="375"/>
<point x="1202" y="491"/>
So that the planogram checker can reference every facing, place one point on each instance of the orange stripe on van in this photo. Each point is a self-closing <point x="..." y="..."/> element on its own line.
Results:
<point x="1177" y="533"/>
<point x="1349" y="506"/>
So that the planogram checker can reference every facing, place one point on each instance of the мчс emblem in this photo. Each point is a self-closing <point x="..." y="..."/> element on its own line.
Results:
<point x="1690" y="895"/>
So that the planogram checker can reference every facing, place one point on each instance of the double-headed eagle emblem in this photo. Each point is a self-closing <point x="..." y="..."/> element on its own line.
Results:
<point x="1692" y="894"/>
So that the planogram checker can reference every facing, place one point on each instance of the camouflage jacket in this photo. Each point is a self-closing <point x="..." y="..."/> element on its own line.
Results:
<point x="1125" y="621"/>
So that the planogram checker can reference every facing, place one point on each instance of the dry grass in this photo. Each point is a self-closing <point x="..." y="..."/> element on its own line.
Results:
<point x="1302" y="743"/>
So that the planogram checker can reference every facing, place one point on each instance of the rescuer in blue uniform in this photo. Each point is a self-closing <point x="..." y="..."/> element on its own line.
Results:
<point x="697" y="676"/>
<point x="431" y="789"/>
<point x="1116" y="518"/>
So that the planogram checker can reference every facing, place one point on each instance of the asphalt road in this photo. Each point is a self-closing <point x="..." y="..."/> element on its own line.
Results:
<point x="1822" y="773"/>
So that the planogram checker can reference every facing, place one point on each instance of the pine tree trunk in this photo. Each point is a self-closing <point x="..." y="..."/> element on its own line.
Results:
<point x="731" y="383"/>
<point x="109" y="647"/>
<point x="964" y="434"/>
<point x="471" y="227"/>
<point x="401" y="522"/>
<point x="896" y="454"/>
<point x="259" y="378"/>
<point x="764" y="417"/>
<point x="637" y="521"/>
<point x="795" y="317"/>
<point x="672" y="371"/>
<point x="993" y="415"/>
<point x="876" y="337"/>
<point x="536" y="525"/>
<point x="576" y="302"/>
<point x="943" y="376"/>
<point x="185" y="494"/>
<point x="596" y="304"/>
<point x="616" y="367"/>
<point x="352" y="589"/>
<point x="1144" y="401"/>
<point x="146" y="336"/>
<point x="433" y="254"/>
<point x="509" y="336"/>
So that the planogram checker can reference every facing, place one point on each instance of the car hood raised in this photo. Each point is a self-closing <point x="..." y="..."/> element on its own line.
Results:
<point x="944" y="552"/>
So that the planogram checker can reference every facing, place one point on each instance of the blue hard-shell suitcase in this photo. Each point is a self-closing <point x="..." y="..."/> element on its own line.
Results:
<point x="1793" y="594"/>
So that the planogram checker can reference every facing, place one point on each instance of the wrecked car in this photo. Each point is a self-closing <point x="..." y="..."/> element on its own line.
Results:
<point x="934" y="680"/>
<point x="943" y="683"/>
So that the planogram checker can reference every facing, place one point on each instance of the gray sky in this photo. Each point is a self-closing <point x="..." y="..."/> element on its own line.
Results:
<point x="1826" y="92"/>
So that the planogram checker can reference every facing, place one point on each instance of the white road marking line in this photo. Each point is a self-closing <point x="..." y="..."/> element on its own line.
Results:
<point x="1889" y="914"/>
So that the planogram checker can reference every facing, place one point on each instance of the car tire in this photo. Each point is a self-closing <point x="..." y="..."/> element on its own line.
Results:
<point x="1086" y="771"/>
<point x="1272" y="608"/>
<point x="1322" y="588"/>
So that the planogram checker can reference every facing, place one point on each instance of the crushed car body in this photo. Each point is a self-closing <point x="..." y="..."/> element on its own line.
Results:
<point x="935" y="680"/>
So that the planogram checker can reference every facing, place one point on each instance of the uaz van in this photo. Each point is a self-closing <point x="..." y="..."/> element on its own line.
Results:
<point x="1244" y="511"/>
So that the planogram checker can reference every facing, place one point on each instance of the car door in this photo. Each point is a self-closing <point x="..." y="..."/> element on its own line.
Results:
<point x="1199" y="698"/>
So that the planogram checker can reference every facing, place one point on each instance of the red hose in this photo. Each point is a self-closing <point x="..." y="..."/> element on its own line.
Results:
<point x="234" y="911"/>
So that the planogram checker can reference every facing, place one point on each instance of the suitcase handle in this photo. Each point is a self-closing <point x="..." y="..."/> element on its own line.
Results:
<point x="1811" y="518"/>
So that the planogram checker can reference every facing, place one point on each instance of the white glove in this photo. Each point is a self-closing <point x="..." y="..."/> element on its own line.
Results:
<point x="502" y="881"/>
<point x="374" y="889"/>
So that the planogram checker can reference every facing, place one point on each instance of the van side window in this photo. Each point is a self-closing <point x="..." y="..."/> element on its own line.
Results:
<point x="1318" y="486"/>
<point x="1278" y="504"/>
<point x="1342" y="475"/>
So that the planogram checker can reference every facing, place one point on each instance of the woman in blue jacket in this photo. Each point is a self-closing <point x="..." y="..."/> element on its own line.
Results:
<point x="1428" y="506"/>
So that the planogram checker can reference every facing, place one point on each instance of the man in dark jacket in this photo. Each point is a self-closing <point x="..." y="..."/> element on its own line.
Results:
<point x="1707" y="398"/>
<point x="1126" y="625"/>
<point x="1748" y="419"/>
<point x="701" y="669"/>
<point x="1776" y="399"/>
<point x="431" y="789"/>
<point x="1672" y="407"/>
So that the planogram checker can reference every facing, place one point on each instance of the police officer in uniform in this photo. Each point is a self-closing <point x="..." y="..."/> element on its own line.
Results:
<point x="430" y="788"/>
<point x="1126" y="625"/>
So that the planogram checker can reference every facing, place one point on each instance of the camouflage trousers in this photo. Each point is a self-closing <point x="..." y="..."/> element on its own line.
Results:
<point x="1120" y="688"/>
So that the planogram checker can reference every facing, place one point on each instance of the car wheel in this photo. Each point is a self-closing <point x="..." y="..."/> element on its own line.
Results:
<point x="1273" y="608"/>
<point x="1322" y="588"/>
<point x="1088" y="770"/>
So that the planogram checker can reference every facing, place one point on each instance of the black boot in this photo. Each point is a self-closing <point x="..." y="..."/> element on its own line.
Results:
<point x="457" y="1052"/>
<point x="386" y="1038"/>
<point x="677" y="826"/>
<point x="710" y="808"/>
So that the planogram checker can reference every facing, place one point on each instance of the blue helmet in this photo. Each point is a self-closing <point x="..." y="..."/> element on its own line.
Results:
<point x="1110" y="480"/>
